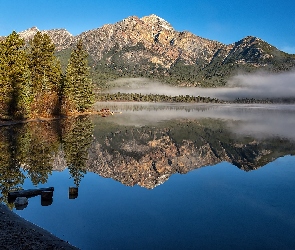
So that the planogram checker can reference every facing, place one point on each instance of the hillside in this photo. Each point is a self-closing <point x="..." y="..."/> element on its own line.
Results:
<point x="151" y="47"/>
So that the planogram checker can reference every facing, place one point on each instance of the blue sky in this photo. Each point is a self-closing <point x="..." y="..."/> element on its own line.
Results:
<point x="226" y="21"/>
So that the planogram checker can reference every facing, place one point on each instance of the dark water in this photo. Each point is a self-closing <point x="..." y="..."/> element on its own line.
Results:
<point x="160" y="176"/>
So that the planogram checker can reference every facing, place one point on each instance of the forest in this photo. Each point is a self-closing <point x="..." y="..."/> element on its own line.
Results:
<point x="32" y="83"/>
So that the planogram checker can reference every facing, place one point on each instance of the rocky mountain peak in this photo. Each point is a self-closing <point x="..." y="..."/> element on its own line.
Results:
<point x="60" y="31"/>
<point x="60" y="37"/>
<point x="248" y="40"/>
<point x="29" y="33"/>
<point x="157" y="22"/>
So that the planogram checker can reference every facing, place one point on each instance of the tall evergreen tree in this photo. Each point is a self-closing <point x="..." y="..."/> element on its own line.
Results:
<point x="78" y="88"/>
<point x="5" y="86"/>
<point x="15" y="84"/>
<point x="46" y="75"/>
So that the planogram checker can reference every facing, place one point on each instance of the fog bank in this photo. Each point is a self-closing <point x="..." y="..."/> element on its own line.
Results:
<point x="256" y="85"/>
<point x="257" y="120"/>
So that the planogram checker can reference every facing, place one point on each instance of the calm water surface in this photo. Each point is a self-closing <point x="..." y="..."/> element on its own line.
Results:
<point x="160" y="176"/>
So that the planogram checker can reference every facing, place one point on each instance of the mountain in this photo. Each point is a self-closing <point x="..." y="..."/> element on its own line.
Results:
<point x="151" y="47"/>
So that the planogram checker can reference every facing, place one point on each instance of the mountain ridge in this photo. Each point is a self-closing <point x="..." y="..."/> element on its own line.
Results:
<point x="151" y="47"/>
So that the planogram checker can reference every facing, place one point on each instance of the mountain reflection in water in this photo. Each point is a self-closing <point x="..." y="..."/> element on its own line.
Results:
<point x="146" y="144"/>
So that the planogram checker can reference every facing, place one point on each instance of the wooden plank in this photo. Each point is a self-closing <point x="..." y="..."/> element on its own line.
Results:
<point x="28" y="192"/>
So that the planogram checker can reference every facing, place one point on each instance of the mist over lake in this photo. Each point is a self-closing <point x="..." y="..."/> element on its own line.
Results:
<point x="259" y="85"/>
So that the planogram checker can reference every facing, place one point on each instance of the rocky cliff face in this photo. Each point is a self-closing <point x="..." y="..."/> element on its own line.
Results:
<point x="150" y="46"/>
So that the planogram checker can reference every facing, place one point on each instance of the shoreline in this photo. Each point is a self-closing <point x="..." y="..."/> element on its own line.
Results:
<point x="108" y="112"/>
<point x="44" y="119"/>
<point x="17" y="233"/>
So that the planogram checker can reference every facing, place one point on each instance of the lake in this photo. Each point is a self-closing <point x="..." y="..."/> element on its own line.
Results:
<point x="159" y="176"/>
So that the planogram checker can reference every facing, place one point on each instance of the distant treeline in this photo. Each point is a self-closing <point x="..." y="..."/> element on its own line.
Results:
<point x="153" y="98"/>
<point x="137" y="97"/>
<point x="289" y="100"/>
<point x="32" y="83"/>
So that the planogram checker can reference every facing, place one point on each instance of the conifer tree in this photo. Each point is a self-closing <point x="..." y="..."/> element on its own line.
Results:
<point x="45" y="74"/>
<point x="78" y="88"/>
<point x="5" y="86"/>
<point x="15" y="85"/>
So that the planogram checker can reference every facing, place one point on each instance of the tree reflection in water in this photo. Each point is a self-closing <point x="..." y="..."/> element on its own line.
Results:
<point x="38" y="143"/>
<point x="77" y="135"/>
<point x="11" y="176"/>
<point x="29" y="151"/>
